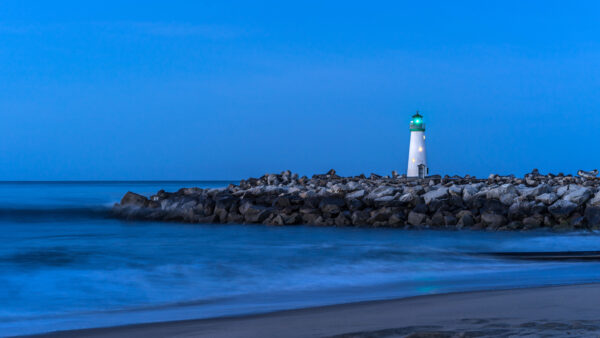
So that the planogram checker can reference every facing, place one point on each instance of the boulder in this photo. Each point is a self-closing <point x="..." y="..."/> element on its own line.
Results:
<point x="465" y="220"/>
<point x="438" y="219"/>
<point x="437" y="194"/>
<point x="396" y="219"/>
<point x="332" y="205"/>
<point x="508" y="199"/>
<point x="498" y="192"/>
<point x="381" y="192"/>
<point x="293" y="218"/>
<point x="275" y="220"/>
<point x="539" y="208"/>
<point x="532" y="192"/>
<point x="380" y="215"/>
<point x="588" y="174"/>
<point x="492" y="220"/>
<point x="132" y="199"/>
<point x="310" y="218"/>
<point x="384" y="201"/>
<point x="450" y="220"/>
<point x="407" y="198"/>
<point x="519" y="210"/>
<point x="493" y="206"/>
<point x="360" y="217"/>
<point x="565" y="189"/>
<point x="420" y="208"/>
<point x="562" y="208"/>
<point x="577" y="221"/>
<point x="533" y="222"/>
<point x="595" y="201"/>
<point x="578" y="196"/>
<point x="254" y="213"/>
<point x="282" y="202"/>
<point x="356" y="195"/>
<point x="455" y="190"/>
<point x="592" y="215"/>
<point x="415" y="218"/>
<point x="342" y="220"/>
<point x="355" y="204"/>
<point x="469" y="192"/>
<point x="547" y="198"/>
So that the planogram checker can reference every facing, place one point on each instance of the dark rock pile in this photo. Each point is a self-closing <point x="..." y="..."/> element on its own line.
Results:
<point x="559" y="202"/>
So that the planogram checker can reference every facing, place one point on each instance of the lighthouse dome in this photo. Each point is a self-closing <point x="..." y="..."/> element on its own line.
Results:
<point x="416" y="123"/>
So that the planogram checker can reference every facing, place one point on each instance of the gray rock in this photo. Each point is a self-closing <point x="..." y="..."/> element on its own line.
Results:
<point x="577" y="221"/>
<point x="498" y="192"/>
<point x="465" y="220"/>
<point x="409" y="197"/>
<point x="360" y="217"/>
<point x="355" y="204"/>
<point x="578" y="196"/>
<point x="380" y="215"/>
<point x="356" y="195"/>
<point x="396" y="219"/>
<point x="254" y="213"/>
<point x="592" y="215"/>
<point x="533" y="222"/>
<point x="440" y="193"/>
<point x="386" y="201"/>
<point x="381" y="192"/>
<point x="547" y="198"/>
<point x="562" y="208"/>
<point x="331" y="205"/>
<point x="588" y="174"/>
<point x="450" y="220"/>
<point x="565" y="189"/>
<point x="532" y="192"/>
<point x="519" y="210"/>
<point x="595" y="201"/>
<point x="415" y="218"/>
<point x="455" y="190"/>
<point x="493" y="220"/>
<point x="438" y="219"/>
<point x="508" y="199"/>
<point x="539" y="208"/>
<point x="132" y="199"/>
<point x="469" y="192"/>
<point x="342" y="220"/>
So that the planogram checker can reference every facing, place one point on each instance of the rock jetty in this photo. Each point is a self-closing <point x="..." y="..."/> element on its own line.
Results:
<point x="559" y="202"/>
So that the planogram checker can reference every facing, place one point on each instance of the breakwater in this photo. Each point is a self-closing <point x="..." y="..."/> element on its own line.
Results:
<point x="559" y="202"/>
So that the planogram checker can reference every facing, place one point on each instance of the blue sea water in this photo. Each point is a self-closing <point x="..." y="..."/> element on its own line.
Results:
<point x="65" y="263"/>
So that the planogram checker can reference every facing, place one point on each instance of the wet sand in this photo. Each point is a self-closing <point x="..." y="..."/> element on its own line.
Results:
<point x="549" y="311"/>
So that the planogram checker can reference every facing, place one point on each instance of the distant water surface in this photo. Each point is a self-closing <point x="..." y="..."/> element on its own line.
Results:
<point x="65" y="263"/>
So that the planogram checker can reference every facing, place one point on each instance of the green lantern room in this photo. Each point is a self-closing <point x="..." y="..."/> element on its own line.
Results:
<point x="416" y="123"/>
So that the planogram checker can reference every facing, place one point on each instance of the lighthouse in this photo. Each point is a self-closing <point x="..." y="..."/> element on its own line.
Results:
<point x="417" y="155"/>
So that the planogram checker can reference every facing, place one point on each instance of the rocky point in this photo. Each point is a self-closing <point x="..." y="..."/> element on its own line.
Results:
<point x="559" y="202"/>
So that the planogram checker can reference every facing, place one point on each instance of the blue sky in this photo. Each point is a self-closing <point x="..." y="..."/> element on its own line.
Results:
<point x="227" y="90"/>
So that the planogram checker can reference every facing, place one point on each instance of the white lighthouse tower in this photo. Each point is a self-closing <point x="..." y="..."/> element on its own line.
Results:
<point x="417" y="155"/>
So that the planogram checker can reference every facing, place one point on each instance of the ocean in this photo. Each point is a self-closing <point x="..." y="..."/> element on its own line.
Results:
<point x="66" y="263"/>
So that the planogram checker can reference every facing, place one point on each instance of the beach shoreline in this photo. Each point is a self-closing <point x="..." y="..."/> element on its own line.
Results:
<point x="552" y="310"/>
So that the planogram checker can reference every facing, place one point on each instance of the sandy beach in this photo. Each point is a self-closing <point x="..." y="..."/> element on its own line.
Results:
<point x="550" y="311"/>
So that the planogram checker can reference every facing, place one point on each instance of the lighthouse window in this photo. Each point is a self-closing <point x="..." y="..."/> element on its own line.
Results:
<point x="423" y="136"/>
<point x="413" y="160"/>
<point x="421" y="149"/>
